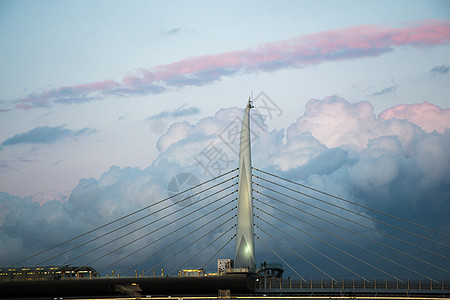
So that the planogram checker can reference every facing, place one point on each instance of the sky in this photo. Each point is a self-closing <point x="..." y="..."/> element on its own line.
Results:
<point x="102" y="103"/>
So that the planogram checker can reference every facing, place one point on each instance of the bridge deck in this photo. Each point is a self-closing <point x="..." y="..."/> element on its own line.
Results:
<point x="239" y="286"/>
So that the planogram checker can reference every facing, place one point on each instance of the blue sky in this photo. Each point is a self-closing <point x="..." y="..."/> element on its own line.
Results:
<point x="90" y="85"/>
<point x="48" y="45"/>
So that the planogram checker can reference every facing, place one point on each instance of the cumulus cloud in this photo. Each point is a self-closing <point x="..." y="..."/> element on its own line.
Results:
<point x="303" y="51"/>
<point x="428" y="116"/>
<point x="336" y="146"/>
<point x="335" y="122"/>
<point x="44" y="135"/>
<point x="177" y="131"/>
<point x="378" y="153"/>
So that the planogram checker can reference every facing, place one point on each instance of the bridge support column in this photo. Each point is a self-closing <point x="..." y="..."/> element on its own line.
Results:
<point x="245" y="245"/>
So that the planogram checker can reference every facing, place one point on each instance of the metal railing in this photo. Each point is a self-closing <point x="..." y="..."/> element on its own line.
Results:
<point x="273" y="283"/>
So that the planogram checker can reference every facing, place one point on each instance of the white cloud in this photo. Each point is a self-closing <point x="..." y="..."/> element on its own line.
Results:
<point x="176" y="132"/>
<point x="336" y="123"/>
<point x="428" y="116"/>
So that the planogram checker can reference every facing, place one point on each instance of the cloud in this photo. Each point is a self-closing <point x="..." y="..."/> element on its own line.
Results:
<point x="5" y="166"/>
<point x="177" y="131"/>
<point x="336" y="146"/>
<point x="14" y="164"/>
<point x="173" y="31"/>
<point x="386" y="91"/>
<point x="428" y="116"/>
<point x="298" y="52"/>
<point x="175" y="113"/>
<point x="335" y="122"/>
<point x="44" y="197"/>
<point x="56" y="162"/>
<point x="370" y="142"/>
<point x="44" y="135"/>
<point x="439" y="70"/>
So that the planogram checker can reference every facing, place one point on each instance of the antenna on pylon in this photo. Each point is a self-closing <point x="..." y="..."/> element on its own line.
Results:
<point x="250" y="101"/>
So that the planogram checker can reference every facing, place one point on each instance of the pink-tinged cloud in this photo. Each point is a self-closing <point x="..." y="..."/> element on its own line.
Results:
<point x="428" y="116"/>
<point x="303" y="51"/>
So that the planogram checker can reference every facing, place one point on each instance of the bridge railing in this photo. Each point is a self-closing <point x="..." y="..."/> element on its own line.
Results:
<point x="273" y="283"/>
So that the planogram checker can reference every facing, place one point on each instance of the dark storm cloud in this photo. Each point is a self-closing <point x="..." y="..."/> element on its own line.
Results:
<point x="44" y="135"/>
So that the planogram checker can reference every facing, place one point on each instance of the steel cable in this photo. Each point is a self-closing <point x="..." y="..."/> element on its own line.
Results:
<point x="300" y="276"/>
<point x="370" y="239"/>
<point x="132" y="222"/>
<point x="148" y="224"/>
<point x="362" y="206"/>
<point x="121" y="218"/>
<point x="299" y="255"/>
<point x="166" y="235"/>
<point x="178" y="252"/>
<point x="201" y="250"/>
<point x="312" y="248"/>
<point x="217" y="252"/>
<point x="171" y="222"/>
<point x="378" y="269"/>
<point x="363" y="216"/>
<point x="184" y="236"/>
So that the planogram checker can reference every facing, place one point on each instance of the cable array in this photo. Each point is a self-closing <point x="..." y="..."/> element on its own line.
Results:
<point x="353" y="203"/>
<point x="352" y="212"/>
<point x="160" y="228"/>
<point x="201" y="250"/>
<point x="280" y="202"/>
<point x="310" y="247"/>
<point x="289" y="217"/>
<point x="268" y="247"/>
<point x="119" y="241"/>
<point x="178" y="240"/>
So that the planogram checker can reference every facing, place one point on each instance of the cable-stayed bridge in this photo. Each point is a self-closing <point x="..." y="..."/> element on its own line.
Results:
<point x="286" y="239"/>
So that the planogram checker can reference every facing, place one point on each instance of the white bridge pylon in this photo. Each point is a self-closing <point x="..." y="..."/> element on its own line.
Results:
<point x="245" y="243"/>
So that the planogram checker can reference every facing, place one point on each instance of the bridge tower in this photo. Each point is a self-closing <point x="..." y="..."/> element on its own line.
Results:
<point x="245" y="243"/>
